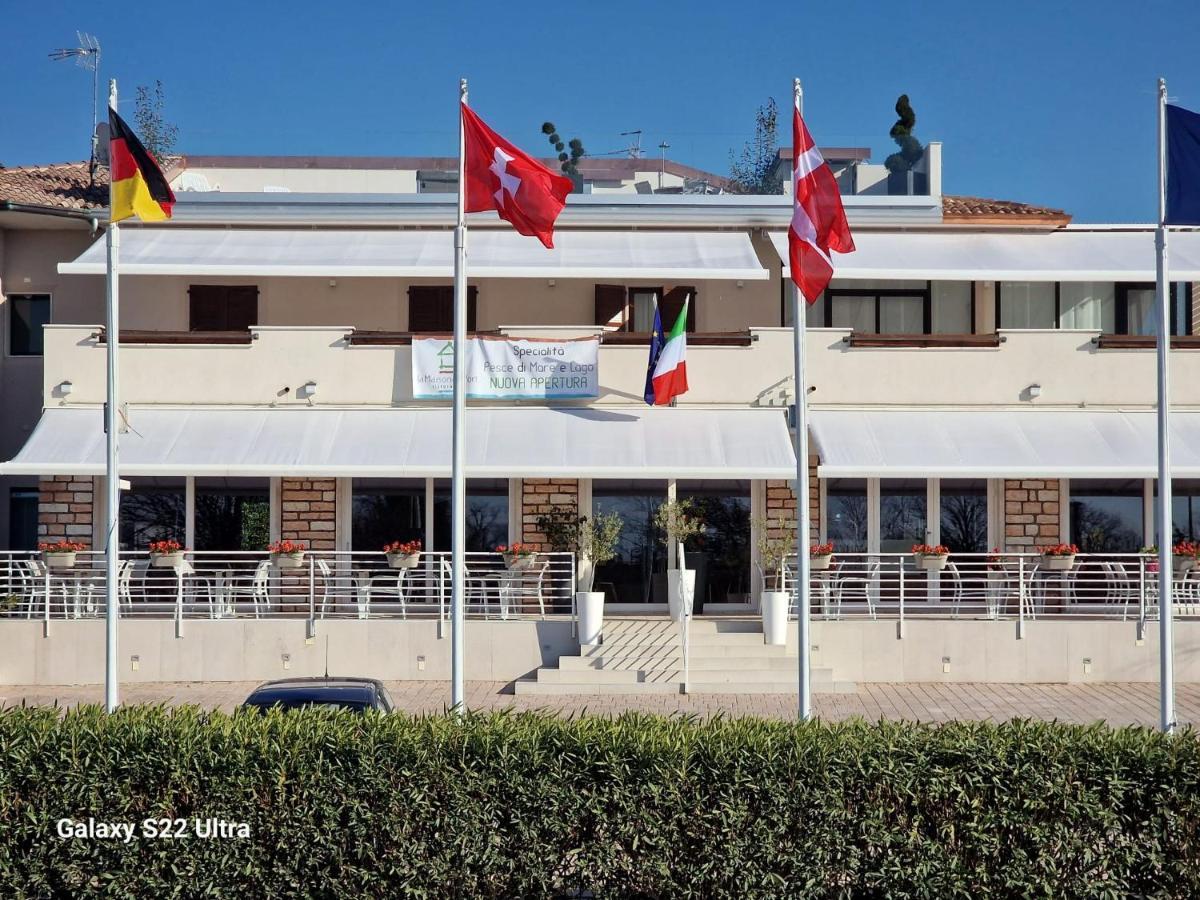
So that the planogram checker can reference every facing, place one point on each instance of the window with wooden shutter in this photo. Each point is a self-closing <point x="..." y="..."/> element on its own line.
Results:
<point x="672" y="303"/>
<point x="431" y="308"/>
<point x="612" y="307"/>
<point x="222" y="307"/>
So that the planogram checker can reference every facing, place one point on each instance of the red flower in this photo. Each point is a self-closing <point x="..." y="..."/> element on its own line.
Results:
<point x="1060" y="550"/>
<point x="930" y="550"/>
<point x="286" y="548"/>
<point x="404" y="548"/>
<point x="821" y="549"/>
<point x="62" y="546"/>
<point x="167" y="546"/>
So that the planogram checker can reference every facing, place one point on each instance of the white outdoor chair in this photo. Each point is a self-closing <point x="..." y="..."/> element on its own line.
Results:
<point x="1118" y="587"/>
<point x="865" y="581"/>
<point x="257" y="590"/>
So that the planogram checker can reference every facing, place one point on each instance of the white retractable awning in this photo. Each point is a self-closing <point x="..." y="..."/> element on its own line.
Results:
<point x="916" y="443"/>
<point x="1065" y="255"/>
<point x="669" y="255"/>
<point x="512" y="442"/>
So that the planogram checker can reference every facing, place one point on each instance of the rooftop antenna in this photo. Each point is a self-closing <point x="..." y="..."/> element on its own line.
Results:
<point x="86" y="56"/>
<point x="664" y="146"/>
<point x="635" y="146"/>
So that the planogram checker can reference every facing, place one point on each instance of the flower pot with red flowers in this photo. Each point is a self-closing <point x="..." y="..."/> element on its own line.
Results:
<point x="931" y="557"/>
<point x="60" y="554"/>
<point x="1187" y="555"/>
<point x="403" y="554"/>
<point x="287" y="554"/>
<point x="1060" y="557"/>
<point x="820" y="557"/>
<point x="517" y="557"/>
<point x="166" y="554"/>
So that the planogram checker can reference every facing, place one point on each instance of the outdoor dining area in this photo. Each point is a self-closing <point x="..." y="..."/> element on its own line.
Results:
<point x="507" y="584"/>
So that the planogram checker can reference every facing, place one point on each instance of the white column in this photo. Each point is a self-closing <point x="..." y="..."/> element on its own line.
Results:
<point x="189" y="512"/>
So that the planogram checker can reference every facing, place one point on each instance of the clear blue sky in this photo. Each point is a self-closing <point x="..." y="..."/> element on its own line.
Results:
<point x="1049" y="102"/>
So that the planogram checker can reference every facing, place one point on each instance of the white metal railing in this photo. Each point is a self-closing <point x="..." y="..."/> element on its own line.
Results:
<point x="1016" y="586"/>
<point x="207" y="585"/>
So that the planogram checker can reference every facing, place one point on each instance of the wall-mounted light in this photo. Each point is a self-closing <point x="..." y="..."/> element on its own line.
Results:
<point x="550" y="282"/>
<point x="1035" y="391"/>
<point x="741" y="283"/>
<point x="64" y="388"/>
<point x="333" y="282"/>
<point x="307" y="390"/>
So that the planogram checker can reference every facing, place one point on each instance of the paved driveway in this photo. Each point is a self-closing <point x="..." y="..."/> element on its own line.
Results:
<point x="1119" y="704"/>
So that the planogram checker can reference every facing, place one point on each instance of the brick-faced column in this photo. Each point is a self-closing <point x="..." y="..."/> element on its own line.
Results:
<point x="309" y="512"/>
<point x="541" y="496"/>
<point x="65" y="508"/>
<point x="1032" y="516"/>
<point x="781" y="506"/>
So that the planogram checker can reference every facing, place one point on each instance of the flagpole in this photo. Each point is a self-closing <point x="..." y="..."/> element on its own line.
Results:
<point x="804" y="600"/>
<point x="112" y="479"/>
<point x="458" y="487"/>
<point x="1166" y="531"/>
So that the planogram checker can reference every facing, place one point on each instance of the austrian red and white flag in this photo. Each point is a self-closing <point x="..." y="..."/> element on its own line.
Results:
<point x="819" y="224"/>
<point x="520" y="189"/>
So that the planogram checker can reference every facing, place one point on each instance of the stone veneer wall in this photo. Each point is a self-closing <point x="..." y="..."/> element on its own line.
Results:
<point x="65" y="507"/>
<point x="540" y="496"/>
<point x="309" y="512"/>
<point x="1032" y="516"/>
<point x="781" y="506"/>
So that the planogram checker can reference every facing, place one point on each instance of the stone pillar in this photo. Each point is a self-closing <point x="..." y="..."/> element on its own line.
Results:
<point x="540" y="496"/>
<point x="65" y="508"/>
<point x="781" y="506"/>
<point x="309" y="512"/>
<point x="1031" y="514"/>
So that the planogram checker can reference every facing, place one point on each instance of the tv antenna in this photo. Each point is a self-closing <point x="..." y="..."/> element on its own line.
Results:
<point x="633" y="151"/>
<point x="86" y="56"/>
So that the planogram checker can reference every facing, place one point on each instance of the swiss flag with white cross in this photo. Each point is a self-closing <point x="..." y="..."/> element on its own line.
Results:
<point x="522" y="190"/>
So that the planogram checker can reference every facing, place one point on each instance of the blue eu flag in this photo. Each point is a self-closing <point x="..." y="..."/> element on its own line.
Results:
<point x="1183" y="166"/>
<point x="656" y="345"/>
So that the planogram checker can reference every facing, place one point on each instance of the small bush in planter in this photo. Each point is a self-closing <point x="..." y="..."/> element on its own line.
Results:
<point x="772" y="551"/>
<point x="403" y="554"/>
<point x="593" y="540"/>
<point x="679" y="520"/>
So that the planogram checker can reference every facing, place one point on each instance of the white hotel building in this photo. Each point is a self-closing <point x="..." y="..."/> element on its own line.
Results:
<point x="981" y="372"/>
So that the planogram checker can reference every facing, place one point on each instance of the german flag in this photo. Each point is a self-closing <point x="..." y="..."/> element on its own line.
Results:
<point x="139" y="187"/>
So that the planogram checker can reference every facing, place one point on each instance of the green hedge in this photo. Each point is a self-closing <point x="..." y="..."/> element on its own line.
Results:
<point x="532" y="806"/>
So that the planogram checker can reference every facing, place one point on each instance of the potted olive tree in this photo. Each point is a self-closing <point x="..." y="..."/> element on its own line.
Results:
<point x="594" y="542"/>
<point x="679" y="521"/>
<point x="773" y="603"/>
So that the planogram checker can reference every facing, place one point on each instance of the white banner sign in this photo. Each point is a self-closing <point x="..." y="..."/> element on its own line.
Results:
<point x="508" y="369"/>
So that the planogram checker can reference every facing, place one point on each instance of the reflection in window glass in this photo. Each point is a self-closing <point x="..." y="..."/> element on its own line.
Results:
<point x="641" y="551"/>
<point x="951" y="301"/>
<point x="386" y="510"/>
<point x="855" y="313"/>
<point x="1106" y="515"/>
<point x="487" y="514"/>
<point x="846" y="514"/>
<point x="1140" y="311"/>
<point x="153" y="509"/>
<point x="1026" y="304"/>
<point x="1185" y="510"/>
<point x="22" y="519"/>
<point x="721" y="555"/>
<point x="1088" y="304"/>
<point x="963" y="515"/>
<point x="232" y="514"/>
<point x="902" y="514"/>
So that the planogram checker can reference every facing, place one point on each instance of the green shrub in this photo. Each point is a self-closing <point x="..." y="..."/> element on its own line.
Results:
<point x="531" y="806"/>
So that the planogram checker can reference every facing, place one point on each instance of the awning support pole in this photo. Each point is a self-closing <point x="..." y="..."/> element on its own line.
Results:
<point x="1166" y="532"/>
<point x="803" y="578"/>
<point x="458" y="486"/>
<point x="112" y="478"/>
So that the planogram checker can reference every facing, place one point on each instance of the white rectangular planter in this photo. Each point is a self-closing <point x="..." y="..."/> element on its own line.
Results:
<point x="932" y="563"/>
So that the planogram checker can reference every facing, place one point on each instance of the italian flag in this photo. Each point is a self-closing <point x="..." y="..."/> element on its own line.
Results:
<point x="670" y="373"/>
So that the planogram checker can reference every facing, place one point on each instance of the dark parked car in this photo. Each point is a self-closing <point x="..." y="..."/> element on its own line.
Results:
<point x="358" y="694"/>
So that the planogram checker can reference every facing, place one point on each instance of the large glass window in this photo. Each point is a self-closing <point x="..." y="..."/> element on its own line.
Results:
<point x="487" y="514"/>
<point x="846" y="514"/>
<point x="1136" y="312"/>
<point x="877" y="307"/>
<point x="153" y="509"/>
<point x="232" y="514"/>
<point x="1106" y="515"/>
<point x="1088" y="304"/>
<point x="22" y="518"/>
<point x="963" y="516"/>
<point x="1026" y="304"/>
<point x="641" y="552"/>
<point x="721" y="555"/>
<point x="386" y="510"/>
<point x="952" y="307"/>
<point x="1185" y="510"/>
<point x="28" y="313"/>
<point x="903" y="514"/>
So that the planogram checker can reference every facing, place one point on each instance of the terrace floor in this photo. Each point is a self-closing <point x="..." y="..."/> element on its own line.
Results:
<point x="1115" y="703"/>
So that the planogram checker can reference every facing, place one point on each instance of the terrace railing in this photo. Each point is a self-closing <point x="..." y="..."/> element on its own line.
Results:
<point x="318" y="586"/>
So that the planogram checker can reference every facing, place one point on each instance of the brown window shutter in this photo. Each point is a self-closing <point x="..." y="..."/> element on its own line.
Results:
<point x="431" y="308"/>
<point x="672" y="303"/>
<point x="612" y="307"/>
<point x="241" y="308"/>
<point x="207" y="308"/>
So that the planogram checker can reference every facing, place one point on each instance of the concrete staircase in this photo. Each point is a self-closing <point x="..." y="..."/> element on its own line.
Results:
<point x="645" y="655"/>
